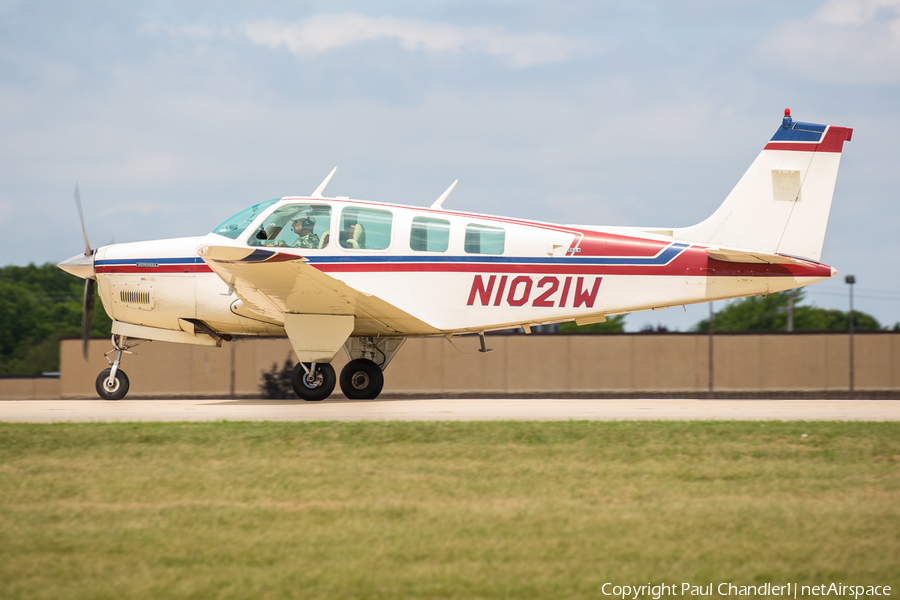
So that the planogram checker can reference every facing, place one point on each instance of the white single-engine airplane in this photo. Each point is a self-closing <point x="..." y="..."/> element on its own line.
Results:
<point x="334" y="272"/>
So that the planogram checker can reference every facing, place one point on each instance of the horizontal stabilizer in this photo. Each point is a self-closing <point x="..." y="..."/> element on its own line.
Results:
<point x="740" y="256"/>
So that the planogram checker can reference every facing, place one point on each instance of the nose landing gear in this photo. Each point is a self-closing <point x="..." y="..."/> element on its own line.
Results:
<point x="112" y="386"/>
<point x="112" y="383"/>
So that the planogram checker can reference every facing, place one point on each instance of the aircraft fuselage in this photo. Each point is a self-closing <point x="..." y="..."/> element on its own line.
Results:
<point x="543" y="273"/>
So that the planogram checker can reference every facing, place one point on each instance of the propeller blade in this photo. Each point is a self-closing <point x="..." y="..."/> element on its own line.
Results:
<point x="87" y="316"/>
<point x="87" y="245"/>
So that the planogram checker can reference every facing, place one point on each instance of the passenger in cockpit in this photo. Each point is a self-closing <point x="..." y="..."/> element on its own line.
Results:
<point x="354" y="234"/>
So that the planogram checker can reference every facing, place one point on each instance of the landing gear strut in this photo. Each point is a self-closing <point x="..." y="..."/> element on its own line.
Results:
<point x="313" y="381"/>
<point x="112" y="383"/>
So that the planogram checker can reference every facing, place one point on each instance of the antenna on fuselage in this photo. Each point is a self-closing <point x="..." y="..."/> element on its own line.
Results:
<point x="437" y="203"/>
<point x="321" y="188"/>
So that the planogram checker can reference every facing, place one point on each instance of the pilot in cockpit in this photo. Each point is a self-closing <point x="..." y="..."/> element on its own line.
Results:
<point x="303" y="227"/>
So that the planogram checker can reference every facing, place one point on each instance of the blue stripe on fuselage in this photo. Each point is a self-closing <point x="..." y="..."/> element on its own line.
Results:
<point x="665" y="256"/>
<point x="194" y="260"/>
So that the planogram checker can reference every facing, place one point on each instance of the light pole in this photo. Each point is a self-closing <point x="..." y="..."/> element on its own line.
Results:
<point x="790" y="312"/>
<point x="850" y="280"/>
<point x="711" y="328"/>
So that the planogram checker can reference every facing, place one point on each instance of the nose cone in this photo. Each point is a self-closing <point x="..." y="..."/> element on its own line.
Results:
<point x="80" y="265"/>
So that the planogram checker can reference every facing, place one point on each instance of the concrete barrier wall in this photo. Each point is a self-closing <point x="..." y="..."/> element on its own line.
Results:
<point x="562" y="364"/>
<point x="29" y="388"/>
<point x="526" y="365"/>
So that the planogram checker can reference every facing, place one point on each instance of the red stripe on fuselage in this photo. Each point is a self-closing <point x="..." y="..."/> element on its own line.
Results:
<point x="596" y="243"/>
<point x="153" y="270"/>
<point x="693" y="262"/>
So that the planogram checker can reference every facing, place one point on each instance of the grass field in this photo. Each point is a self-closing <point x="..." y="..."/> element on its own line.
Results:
<point x="442" y="510"/>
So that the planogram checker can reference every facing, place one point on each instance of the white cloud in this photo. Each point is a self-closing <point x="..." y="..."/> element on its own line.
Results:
<point x="326" y="33"/>
<point x="845" y="41"/>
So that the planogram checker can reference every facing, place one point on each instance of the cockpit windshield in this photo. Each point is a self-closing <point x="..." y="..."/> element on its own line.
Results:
<point x="295" y="226"/>
<point x="234" y="226"/>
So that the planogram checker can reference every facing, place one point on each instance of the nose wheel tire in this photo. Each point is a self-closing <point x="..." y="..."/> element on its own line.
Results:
<point x="361" y="379"/>
<point x="316" y="385"/>
<point x="114" y="390"/>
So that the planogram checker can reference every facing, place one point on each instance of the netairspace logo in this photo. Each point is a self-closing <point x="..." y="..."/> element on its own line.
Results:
<point x="788" y="590"/>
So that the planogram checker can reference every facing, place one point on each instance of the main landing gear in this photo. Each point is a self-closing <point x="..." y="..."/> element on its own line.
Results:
<point x="361" y="379"/>
<point x="313" y="381"/>
<point x="112" y="383"/>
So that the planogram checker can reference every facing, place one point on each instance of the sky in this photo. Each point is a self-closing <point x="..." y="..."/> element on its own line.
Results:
<point x="172" y="115"/>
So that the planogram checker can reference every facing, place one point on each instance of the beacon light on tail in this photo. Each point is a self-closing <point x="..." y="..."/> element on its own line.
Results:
<point x="333" y="273"/>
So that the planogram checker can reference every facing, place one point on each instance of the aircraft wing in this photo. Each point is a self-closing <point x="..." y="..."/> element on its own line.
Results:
<point x="276" y="281"/>
<point x="744" y="256"/>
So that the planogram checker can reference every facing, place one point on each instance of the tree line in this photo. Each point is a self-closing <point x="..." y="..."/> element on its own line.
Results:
<point x="39" y="305"/>
<point x="771" y="313"/>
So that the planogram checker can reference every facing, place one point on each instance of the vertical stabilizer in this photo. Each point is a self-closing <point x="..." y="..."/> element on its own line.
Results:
<point x="781" y="204"/>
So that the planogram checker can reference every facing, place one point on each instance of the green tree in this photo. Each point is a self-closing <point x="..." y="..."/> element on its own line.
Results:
<point x="770" y="313"/>
<point x="38" y="306"/>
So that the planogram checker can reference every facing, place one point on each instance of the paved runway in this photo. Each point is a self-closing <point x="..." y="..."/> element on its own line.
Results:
<point x="50" y="411"/>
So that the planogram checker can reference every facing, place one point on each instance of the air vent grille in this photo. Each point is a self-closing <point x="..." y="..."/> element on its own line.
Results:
<point x="138" y="296"/>
<point x="134" y="296"/>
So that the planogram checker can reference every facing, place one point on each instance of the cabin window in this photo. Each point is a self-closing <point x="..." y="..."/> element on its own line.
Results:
<point x="429" y="235"/>
<point x="234" y="226"/>
<point x="481" y="239"/>
<point x="303" y="226"/>
<point x="365" y="228"/>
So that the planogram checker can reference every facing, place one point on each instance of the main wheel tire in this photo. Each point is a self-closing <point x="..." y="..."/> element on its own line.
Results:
<point x="361" y="379"/>
<point x="315" y="388"/>
<point x="117" y="390"/>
